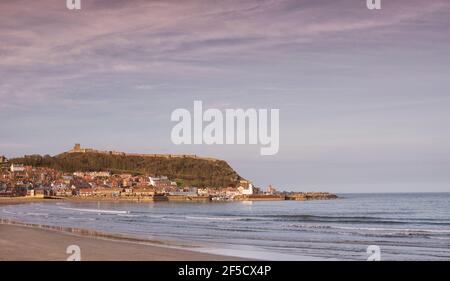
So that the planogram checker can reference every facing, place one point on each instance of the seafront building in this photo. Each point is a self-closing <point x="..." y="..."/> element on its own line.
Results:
<point x="3" y="159"/>
<point x="17" y="168"/>
<point x="161" y="182"/>
<point x="3" y="163"/>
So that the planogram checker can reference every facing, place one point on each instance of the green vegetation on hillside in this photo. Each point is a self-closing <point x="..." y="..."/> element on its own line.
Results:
<point x="186" y="171"/>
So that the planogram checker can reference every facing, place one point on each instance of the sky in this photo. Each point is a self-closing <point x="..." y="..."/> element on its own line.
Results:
<point x="364" y="95"/>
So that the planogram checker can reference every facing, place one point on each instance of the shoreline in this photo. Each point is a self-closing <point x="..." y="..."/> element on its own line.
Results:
<point x="28" y="241"/>
<point x="171" y="199"/>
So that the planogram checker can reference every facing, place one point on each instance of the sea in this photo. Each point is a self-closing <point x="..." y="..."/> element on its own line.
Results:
<point x="407" y="226"/>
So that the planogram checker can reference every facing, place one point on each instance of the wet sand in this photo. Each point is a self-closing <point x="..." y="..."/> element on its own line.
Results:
<point x="34" y="244"/>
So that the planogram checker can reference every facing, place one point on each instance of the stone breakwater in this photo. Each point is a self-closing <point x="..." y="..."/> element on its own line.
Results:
<point x="311" y="196"/>
<point x="301" y="196"/>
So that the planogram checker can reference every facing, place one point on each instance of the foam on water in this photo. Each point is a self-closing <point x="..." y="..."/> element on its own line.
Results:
<point x="96" y="211"/>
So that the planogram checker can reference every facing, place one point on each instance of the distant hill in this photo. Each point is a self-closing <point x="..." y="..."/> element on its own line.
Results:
<point x="189" y="171"/>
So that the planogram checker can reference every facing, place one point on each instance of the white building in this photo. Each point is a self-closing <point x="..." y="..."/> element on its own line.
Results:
<point x="17" y="168"/>
<point x="155" y="180"/>
<point x="246" y="191"/>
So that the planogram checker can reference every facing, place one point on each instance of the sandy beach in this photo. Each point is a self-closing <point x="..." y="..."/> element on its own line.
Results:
<point x="33" y="244"/>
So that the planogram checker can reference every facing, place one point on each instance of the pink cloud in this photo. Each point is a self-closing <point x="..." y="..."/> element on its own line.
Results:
<point x="148" y="36"/>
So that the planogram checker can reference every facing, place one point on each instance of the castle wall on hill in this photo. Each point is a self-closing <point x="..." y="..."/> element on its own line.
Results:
<point x="78" y="149"/>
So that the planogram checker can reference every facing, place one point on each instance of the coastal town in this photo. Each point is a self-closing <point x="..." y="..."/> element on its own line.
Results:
<point x="23" y="181"/>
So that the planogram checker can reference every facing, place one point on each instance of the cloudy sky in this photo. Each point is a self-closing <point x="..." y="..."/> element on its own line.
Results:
<point x="364" y="96"/>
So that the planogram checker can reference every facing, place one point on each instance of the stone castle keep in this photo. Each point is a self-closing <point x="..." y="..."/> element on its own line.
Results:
<point x="78" y="149"/>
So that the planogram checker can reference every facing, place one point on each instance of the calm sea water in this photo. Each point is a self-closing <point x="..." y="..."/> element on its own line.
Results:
<point x="404" y="226"/>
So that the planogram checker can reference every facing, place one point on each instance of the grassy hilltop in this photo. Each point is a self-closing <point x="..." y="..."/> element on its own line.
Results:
<point x="189" y="171"/>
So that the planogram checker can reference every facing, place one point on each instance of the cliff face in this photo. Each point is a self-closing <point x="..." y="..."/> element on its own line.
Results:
<point x="190" y="171"/>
